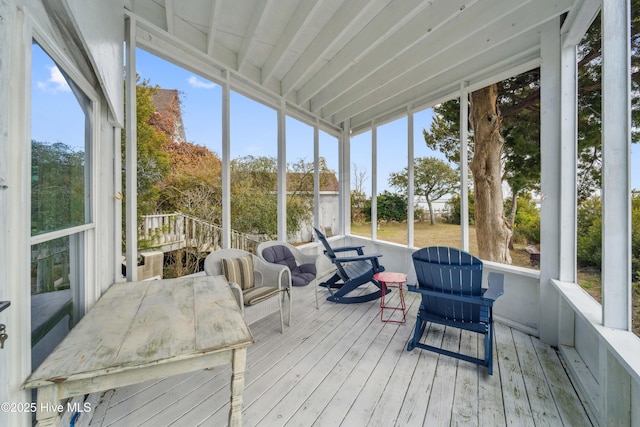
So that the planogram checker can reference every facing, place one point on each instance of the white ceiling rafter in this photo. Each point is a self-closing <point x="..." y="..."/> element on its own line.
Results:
<point x="579" y="21"/>
<point x="214" y="16"/>
<point x="440" y="87"/>
<point x="394" y="77"/>
<point x="351" y="60"/>
<point x="249" y="35"/>
<point x="170" y="12"/>
<point x="301" y="17"/>
<point x="404" y="40"/>
<point x="394" y="16"/>
<point x="343" y="20"/>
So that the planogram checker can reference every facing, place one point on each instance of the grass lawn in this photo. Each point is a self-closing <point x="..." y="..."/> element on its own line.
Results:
<point x="439" y="234"/>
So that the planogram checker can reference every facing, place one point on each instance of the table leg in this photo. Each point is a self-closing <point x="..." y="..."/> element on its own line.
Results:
<point x="238" y="366"/>
<point x="48" y="409"/>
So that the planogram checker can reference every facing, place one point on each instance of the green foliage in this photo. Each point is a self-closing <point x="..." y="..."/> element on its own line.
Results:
<point x="152" y="160"/>
<point x="590" y="234"/>
<point x="391" y="207"/>
<point x="253" y="195"/>
<point x="433" y="178"/>
<point x="527" y="221"/>
<point x="254" y="198"/>
<point x="359" y="203"/>
<point x="589" y="250"/>
<point x="635" y="239"/>
<point x="57" y="187"/>
<point x="453" y="214"/>
<point x="194" y="184"/>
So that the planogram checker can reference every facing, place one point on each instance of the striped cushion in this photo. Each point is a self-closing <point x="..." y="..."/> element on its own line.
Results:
<point x="239" y="270"/>
<point x="256" y="295"/>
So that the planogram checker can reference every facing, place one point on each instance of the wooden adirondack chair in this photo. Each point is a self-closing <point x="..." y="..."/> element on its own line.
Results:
<point x="352" y="271"/>
<point x="450" y="282"/>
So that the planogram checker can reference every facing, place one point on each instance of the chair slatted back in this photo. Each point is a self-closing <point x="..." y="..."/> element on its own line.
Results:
<point x="327" y="248"/>
<point x="449" y="271"/>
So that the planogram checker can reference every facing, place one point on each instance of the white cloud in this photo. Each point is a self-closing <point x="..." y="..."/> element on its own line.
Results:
<point x="197" y="83"/>
<point x="56" y="82"/>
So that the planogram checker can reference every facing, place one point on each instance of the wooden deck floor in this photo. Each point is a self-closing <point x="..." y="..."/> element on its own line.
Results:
<point x="340" y="365"/>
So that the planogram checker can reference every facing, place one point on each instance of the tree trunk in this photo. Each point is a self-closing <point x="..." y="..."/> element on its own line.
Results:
<point x="432" y="217"/>
<point x="492" y="229"/>
<point x="512" y="215"/>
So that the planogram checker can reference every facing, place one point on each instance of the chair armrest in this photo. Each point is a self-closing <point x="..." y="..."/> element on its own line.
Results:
<point x="237" y="293"/>
<point x="302" y="258"/>
<point x="356" y="258"/>
<point x="268" y="274"/>
<point x="358" y="249"/>
<point x="496" y="286"/>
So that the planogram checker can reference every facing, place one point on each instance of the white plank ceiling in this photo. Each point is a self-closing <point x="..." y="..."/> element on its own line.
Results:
<point x="363" y="60"/>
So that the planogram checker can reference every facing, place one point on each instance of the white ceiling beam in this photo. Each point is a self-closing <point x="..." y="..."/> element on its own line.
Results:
<point x="434" y="16"/>
<point x="442" y="43"/>
<point x="298" y="23"/>
<point x="214" y="16"/>
<point x="345" y="17"/>
<point x="394" y="16"/>
<point x="397" y="76"/>
<point x="169" y="9"/>
<point x="171" y="48"/>
<point x="578" y="21"/>
<point x="522" y="56"/>
<point x="249" y="36"/>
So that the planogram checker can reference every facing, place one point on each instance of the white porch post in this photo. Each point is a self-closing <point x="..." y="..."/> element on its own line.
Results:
<point x="411" y="184"/>
<point x="316" y="175"/>
<point x="568" y="186"/>
<point x="615" y="386"/>
<point x="282" y="173"/>
<point x="464" y="165"/>
<point x="616" y="154"/>
<point x="374" y="182"/>
<point x="131" y="154"/>
<point x="15" y="358"/>
<point x="226" y="163"/>
<point x="344" y="173"/>
<point x="550" y="177"/>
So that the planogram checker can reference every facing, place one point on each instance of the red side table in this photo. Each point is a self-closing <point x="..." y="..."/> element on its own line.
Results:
<point x="392" y="280"/>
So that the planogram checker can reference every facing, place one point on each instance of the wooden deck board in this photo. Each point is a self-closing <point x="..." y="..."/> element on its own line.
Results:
<point x="340" y="365"/>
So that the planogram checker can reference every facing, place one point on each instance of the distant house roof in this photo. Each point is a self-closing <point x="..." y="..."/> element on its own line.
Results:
<point x="168" y="113"/>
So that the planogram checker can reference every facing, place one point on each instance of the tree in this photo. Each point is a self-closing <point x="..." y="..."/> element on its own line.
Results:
<point x="515" y="116"/>
<point x="390" y="207"/>
<point x="358" y="195"/>
<point x="152" y="160"/>
<point x="433" y="178"/>
<point x="493" y="232"/>
<point x="194" y="184"/>
<point x="254" y="198"/>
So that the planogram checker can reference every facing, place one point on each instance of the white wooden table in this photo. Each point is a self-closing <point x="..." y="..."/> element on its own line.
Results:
<point x="146" y="330"/>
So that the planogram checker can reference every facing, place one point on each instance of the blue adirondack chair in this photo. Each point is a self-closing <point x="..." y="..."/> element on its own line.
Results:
<point x="450" y="282"/>
<point x="352" y="271"/>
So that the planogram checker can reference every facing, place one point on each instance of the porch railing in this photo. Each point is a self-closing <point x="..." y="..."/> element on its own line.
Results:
<point x="169" y="232"/>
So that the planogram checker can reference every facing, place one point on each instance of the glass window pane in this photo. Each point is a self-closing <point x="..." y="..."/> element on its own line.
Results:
<point x="300" y="181"/>
<point x="329" y="185"/>
<point x="392" y="155"/>
<point x="52" y="288"/>
<point x="59" y="184"/>
<point x="361" y="185"/>
<point x="254" y="172"/>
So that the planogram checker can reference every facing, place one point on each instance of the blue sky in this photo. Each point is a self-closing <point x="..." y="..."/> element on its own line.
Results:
<point x="253" y="126"/>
